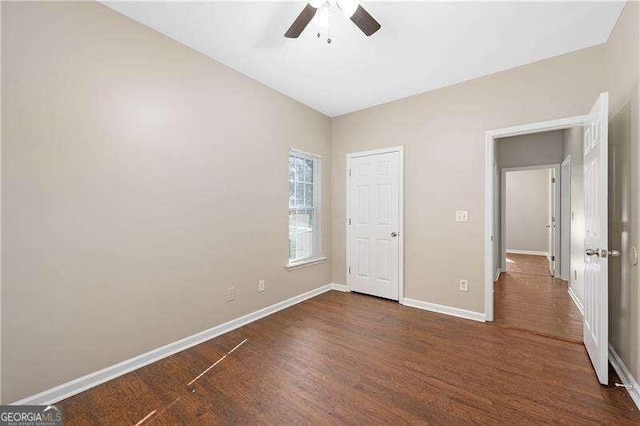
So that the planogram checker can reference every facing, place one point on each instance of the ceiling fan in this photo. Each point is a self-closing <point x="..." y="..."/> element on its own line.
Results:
<point x="322" y="8"/>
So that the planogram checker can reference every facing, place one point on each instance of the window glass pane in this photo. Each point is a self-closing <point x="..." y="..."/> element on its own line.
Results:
<point x="300" y="251"/>
<point x="292" y="237"/>
<point x="299" y="194"/>
<point x="292" y="194"/>
<point x="303" y="229"/>
<point x="308" y="195"/>
<point x="299" y="169"/>
<point x="308" y="171"/>
<point x="292" y="168"/>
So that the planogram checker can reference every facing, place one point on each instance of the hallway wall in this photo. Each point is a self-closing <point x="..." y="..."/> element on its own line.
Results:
<point x="537" y="149"/>
<point x="527" y="210"/>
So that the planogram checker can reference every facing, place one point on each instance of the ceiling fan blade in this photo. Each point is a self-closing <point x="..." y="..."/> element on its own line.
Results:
<point x="301" y="22"/>
<point x="364" y="21"/>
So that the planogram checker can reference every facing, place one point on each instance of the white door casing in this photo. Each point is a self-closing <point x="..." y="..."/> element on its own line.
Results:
<point x="374" y="219"/>
<point x="565" y="221"/>
<point x="551" y="224"/>
<point x="596" y="286"/>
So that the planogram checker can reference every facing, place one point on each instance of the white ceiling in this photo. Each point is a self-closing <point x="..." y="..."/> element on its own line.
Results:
<point x="422" y="45"/>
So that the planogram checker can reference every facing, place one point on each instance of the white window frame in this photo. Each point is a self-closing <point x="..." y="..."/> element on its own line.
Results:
<point x="317" y="201"/>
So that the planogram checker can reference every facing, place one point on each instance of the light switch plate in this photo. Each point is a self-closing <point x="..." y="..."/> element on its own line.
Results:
<point x="462" y="216"/>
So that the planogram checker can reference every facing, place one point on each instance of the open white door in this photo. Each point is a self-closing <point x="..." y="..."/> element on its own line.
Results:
<point x="373" y="224"/>
<point x="596" y="286"/>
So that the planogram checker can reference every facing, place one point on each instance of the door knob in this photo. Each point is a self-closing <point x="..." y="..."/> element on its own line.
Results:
<point x="592" y="252"/>
<point x="609" y="253"/>
<point x="602" y="253"/>
<point x="394" y="234"/>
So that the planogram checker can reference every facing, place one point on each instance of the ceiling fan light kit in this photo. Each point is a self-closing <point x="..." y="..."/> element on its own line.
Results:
<point x="322" y="9"/>
<point x="348" y="7"/>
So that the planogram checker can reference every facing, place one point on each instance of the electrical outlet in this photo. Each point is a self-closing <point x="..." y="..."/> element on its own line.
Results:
<point x="262" y="285"/>
<point x="231" y="294"/>
<point x="464" y="285"/>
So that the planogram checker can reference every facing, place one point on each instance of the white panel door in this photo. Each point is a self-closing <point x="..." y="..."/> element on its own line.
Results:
<point x="373" y="220"/>
<point x="596" y="256"/>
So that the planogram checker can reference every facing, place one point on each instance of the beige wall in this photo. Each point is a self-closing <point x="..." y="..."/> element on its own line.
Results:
<point x="572" y="145"/>
<point x="623" y="69"/>
<point x="537" y="149"/>
<point x="527" y="210"/>
<point x="140" y="179"/>
<point x="443" y="133"/>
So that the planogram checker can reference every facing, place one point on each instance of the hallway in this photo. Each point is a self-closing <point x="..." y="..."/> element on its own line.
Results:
<point x="528" y="298"/>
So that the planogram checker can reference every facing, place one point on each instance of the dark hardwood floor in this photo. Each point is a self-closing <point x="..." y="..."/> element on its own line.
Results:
<point x="527" y="264"/>
<point x="528" y="298"/>
<point x="350" y="358"/>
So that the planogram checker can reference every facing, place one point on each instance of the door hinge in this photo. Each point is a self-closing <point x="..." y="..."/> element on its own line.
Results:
<point x="349" y="172"/>
<point x="553" y="180"/>
<point x="349" y="269"/>
<point x="349" y="221"/>
<point x="553" y="258"/>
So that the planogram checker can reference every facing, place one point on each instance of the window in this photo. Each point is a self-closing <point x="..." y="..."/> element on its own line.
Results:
<point x="304" y="208"/>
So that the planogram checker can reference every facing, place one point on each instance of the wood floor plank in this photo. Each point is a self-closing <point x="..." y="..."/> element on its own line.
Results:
<point x="345" y="358"/>
<point x="528" y="298"/>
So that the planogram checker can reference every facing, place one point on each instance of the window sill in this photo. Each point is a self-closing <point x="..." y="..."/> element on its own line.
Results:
<point x="304" y="263"/>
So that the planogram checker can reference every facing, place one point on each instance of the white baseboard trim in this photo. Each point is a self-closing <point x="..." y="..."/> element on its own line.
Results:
<point x="340" y="287"/>
<point x="531" y="252"/>
<point x="73" y="387"/>
<point x="576" y="300"/>
<point x="442" y="309"/>
<point x="625" y="375"/>
<point x="497" y="277"/>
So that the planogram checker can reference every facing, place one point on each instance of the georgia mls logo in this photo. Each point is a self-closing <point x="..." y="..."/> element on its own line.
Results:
<point x="51" y="413"/>
<point x="30" y="415"/>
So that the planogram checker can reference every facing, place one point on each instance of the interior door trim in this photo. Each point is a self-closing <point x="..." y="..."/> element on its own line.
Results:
<point x="400" y="150"/>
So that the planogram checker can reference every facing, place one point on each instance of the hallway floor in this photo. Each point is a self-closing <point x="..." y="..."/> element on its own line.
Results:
<point x="528" y="298"/>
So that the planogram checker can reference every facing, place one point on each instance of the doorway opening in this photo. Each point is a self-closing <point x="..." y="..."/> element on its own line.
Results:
<point x="533" y="288"/>
<point x="530" y="292"/>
